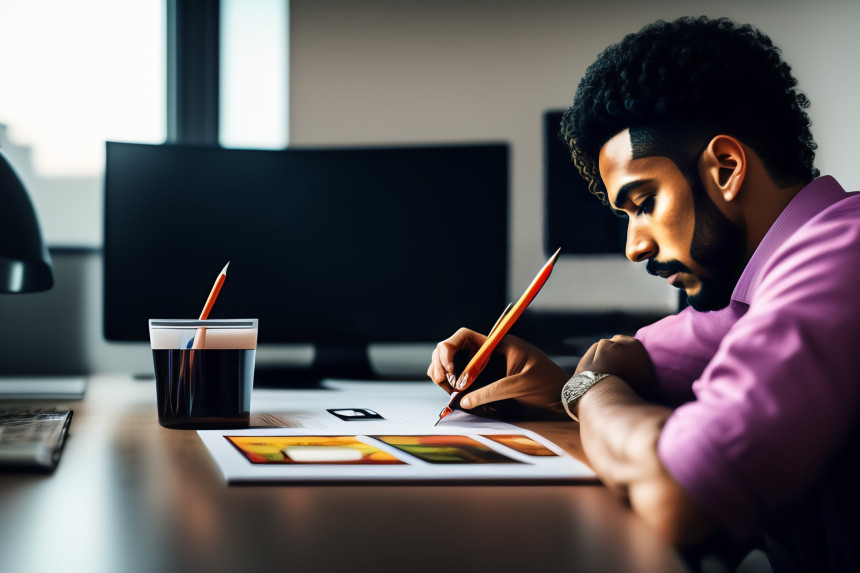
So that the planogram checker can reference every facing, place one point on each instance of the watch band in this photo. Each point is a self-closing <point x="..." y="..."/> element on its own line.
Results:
<point x="576" y="387"/>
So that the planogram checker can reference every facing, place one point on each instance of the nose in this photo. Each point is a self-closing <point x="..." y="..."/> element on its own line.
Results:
<point x="640" y="244"/>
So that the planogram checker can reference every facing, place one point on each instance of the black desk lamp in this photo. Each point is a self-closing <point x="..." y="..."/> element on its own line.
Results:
<point x="25" y="265"/>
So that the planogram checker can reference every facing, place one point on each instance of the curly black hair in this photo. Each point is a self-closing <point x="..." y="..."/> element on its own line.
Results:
<point x="696" y="77"/>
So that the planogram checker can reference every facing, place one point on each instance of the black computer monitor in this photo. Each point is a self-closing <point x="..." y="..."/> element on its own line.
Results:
<point x="574" y="219"/>
<point x="337" y="247"/>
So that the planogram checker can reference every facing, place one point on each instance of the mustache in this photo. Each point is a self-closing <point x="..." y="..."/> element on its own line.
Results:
<point x="665" y="268"/>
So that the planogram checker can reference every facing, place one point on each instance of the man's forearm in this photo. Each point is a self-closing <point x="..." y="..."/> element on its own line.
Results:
<point x="619" y="435"/>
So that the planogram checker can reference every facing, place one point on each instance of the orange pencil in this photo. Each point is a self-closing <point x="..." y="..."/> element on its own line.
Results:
<point x="213" y="294"/>
<point x="503" y="325"/>
<point x="501" y="316"/>
<point x="200" y="333"/>
<point x="207" y="308"/>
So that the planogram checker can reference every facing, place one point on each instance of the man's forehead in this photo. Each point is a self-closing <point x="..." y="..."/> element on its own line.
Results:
<point x="614" y="160"/>
<point x="619" y="146"/>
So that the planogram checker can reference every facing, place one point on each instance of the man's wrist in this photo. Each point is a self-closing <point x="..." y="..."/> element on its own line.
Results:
<point x="575" y="389"/>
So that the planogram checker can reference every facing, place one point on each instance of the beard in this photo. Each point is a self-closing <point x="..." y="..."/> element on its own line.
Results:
<point x="718" y="246"/>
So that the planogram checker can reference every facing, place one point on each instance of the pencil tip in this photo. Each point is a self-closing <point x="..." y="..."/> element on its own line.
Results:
<point x="224" y="270"/>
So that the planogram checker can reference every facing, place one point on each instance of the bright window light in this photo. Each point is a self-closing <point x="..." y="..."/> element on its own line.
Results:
<point x="76" y="74"/>
<point x="254" y="84"/>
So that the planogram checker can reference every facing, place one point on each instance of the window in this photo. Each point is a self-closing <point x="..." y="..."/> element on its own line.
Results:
<point x="76" y="74"/>
<point x="254" y="82"/>
<point x="91" y="71"/>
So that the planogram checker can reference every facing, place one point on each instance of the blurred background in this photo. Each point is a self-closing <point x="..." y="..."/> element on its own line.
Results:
<point x="75" y="74"/>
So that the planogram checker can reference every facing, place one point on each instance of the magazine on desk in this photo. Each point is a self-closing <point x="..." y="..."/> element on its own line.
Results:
<point x="372" y="431"/>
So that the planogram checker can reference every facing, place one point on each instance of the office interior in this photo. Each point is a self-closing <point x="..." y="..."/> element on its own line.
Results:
<point x="370" y="73"/>
<point x="409" y="73"/>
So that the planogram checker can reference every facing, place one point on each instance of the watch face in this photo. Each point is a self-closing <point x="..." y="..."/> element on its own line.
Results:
<point x="579" y="385"/>
<point x="568" y="393"/>
<point x="573" y="389"/>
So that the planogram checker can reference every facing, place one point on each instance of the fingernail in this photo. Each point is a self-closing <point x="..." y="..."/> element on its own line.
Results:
<point x="451" y="379"/>
<point x="463" y="381"/>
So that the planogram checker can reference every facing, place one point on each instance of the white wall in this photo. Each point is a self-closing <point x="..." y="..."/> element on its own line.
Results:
<point x="383" y="71"/>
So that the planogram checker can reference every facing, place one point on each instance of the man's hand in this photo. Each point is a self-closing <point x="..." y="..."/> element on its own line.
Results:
<point x="531" y="378"/>
<point x="620" y="432"/>
<point x="624" y="357"/>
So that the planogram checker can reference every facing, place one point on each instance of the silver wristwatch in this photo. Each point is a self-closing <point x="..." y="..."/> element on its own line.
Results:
<point x="576" y="387"/>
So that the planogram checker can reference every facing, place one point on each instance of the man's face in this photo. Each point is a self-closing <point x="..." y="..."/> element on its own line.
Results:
<point x="680" y="231"/>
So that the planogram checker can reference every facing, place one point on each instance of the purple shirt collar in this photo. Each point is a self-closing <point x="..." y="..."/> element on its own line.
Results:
<point x="809" y="201"/>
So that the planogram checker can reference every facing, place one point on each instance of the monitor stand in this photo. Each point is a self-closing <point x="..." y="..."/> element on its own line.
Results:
<point x="350" y="362"/>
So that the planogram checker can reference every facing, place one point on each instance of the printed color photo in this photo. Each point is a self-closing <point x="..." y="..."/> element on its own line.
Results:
<point x="317" y="450"/>
<point x="447" y="449"/>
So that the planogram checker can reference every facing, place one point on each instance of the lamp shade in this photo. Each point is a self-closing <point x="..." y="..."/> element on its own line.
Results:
<point x="25" y="264"/>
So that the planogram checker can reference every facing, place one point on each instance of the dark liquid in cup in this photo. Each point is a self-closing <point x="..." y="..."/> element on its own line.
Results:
<point x="204" y="388"/>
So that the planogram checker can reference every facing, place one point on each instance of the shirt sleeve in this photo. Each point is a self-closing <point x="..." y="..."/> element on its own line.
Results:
<point x="681" y="346"/>
<point x="778" y="398"/>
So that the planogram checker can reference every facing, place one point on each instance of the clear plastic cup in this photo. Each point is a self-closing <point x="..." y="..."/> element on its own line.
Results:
<point x="204" y="371"/>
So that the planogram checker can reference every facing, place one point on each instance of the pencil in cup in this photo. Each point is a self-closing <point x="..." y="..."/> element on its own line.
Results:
<point x="198" y="341"/>
<point x="200" y="335"/>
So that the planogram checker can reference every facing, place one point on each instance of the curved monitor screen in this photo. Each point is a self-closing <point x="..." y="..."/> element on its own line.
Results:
<point x="327" y="246"/>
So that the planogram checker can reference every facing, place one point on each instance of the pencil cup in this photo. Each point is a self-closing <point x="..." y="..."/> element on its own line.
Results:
<point x="204" y="371"/>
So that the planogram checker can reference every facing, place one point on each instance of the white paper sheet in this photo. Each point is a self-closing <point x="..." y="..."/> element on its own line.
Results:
<point x="409" y="410"/>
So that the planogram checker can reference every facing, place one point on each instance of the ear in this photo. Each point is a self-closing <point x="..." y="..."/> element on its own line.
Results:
<point x="724" y="163"/>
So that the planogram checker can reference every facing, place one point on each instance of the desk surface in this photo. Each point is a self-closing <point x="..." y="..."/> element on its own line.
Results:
<point x="131" y="496"/>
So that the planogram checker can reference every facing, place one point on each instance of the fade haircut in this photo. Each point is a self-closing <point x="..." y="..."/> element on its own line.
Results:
<point x="677" y="84"/>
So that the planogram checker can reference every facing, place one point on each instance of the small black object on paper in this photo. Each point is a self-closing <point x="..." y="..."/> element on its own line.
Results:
<point x="354" y="414"/>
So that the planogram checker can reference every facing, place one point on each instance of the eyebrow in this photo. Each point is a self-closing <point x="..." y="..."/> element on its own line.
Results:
<point x="626" y="190"/>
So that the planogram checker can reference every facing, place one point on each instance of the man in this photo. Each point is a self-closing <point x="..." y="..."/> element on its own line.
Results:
<point x="736" y="419"/>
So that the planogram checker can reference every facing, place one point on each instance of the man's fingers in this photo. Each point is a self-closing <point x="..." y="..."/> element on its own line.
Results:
<point x="445" y="356"/>
<point x="439" y="374"/>
<point x="587" y="359"/>
<point x="623" y="338"/>
<point x="623" y="356"/>
<point x="436" y="371"/>
<point x="442" y="370"/>
<point x="463" y="339"/>
<point x="501" y="389"/>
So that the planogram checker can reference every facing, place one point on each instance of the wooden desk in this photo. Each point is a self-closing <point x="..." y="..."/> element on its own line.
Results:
<point x="132" y="496"/>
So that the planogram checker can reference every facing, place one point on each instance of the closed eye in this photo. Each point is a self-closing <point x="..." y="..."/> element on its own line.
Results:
<point x="646" y="206"/>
